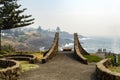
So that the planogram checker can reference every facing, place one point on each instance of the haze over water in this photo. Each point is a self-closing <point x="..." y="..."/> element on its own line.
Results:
<point x="86" y="17"/>
<point x="99" y="18"/>
<point x="92" y="44"/>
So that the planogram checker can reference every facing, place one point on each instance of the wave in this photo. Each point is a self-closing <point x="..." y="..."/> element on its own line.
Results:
<point x="69" y="45"/>
<point x="84" y="38"/>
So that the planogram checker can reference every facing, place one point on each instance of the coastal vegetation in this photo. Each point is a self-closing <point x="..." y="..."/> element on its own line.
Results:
<point x="11" y="15"/>
<point x="92" y="58"/>
<point x="113" y="58"/>
<point x="32" y="39"/>
<point x="7" y="49"/>
<point x="115" y="68"/>
<point x="1" y="68"/>
<point x="26" y="66"/>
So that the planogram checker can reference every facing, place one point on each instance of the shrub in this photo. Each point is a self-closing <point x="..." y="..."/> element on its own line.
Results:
<point x="3" y="52"/>
<point x="5" y="49"/>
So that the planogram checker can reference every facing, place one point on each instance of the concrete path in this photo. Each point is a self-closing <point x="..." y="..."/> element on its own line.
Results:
<point x="62" y="67"/>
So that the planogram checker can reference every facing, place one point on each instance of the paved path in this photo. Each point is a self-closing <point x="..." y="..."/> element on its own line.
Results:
<point x="62" y="67"/>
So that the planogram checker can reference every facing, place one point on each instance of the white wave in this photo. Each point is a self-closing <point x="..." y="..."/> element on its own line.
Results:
<point x="69" y="45"/>
<point x="84" y="38"/>
<point x="42" y="48"/>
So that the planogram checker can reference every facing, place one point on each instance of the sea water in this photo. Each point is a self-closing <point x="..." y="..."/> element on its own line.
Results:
<point x="92" y="44"/>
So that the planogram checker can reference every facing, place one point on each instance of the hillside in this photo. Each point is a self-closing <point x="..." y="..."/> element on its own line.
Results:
<point x="24" y="39"/>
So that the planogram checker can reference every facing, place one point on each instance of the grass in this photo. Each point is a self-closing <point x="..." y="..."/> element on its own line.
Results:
<point x="1" y="68"/>
<point x="26" y="66"/>
<point x="92" y="58"/>
<point x="115" y="69"/>
<point x="38" y="55"/>
<point x="112" y="57"/>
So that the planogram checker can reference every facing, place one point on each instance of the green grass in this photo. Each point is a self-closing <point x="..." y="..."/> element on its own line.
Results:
<point x="1" y="68"/>
<point x="112" y="57"/>
<point x="26" y="66"/>
<point x="115" y="69"/>
<point x="92" y="58"/>
<point x="39" y="55"/>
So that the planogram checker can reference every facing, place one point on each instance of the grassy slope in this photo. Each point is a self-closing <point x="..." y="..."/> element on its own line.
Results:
<point x="1" y="68"/>
<point x="38" y="55"/>
<point x="92" y="58"/>
<point x="112" y="57"/>
<point x="25" y="64"/>
<point x="115" y="68"/>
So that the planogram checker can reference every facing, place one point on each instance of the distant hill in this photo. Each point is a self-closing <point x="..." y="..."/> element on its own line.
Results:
<point x="31" y="39"/>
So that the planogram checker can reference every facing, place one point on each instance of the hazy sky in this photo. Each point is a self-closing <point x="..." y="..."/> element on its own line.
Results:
<point x="86" y="17"/>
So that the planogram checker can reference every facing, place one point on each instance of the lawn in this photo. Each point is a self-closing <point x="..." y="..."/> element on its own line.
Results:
<point x="115" y="69"/>
<point x="92" y="58"/>
<point x="26" y="66"/>
<point x="112" y="57"/>
<point x="1" y="68"/>
<point x="38" y="55"/>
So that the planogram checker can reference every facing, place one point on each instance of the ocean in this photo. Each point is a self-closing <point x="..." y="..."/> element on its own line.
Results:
<point x="92" y="44"/>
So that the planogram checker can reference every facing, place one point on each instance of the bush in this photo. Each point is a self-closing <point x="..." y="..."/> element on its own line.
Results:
<point x="3" y="52"/>
<point x="5" y="49"/>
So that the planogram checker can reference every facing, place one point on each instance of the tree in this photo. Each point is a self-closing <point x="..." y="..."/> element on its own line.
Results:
<point x="39" y="29"/>
<point x="11" y="16"/>
<point x="58" y="29"/>
<point x="8" y="31"/>
<point x="18" y="32"/>
<point x="7" y="49"/>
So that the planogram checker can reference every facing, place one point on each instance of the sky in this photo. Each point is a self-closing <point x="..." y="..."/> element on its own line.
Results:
<point x="86" y="17"/>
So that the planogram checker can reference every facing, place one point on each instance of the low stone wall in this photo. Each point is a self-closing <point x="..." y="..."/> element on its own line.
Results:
<point x="53" y="50"/>
<point x="78" y="50"/>
<point x="22" y="57"/>
<point x="103" y="73"/>
<point x="10" y="69"/>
